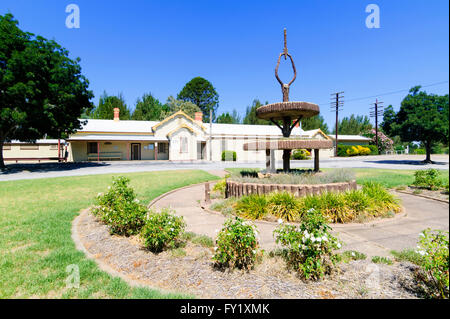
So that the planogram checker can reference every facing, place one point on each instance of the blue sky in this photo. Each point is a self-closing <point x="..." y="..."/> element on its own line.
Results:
<point x="135" y="47"/>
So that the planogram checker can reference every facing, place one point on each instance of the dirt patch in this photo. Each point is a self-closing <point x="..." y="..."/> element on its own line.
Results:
<point x="192" y="273"/>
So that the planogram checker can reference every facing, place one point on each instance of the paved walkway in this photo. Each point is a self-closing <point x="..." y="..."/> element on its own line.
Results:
<point x="44" y="170"/>
<point x="377" y="238"/>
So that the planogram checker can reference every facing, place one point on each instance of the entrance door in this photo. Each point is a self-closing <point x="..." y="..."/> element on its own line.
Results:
<point x="201" y="148"/>
<point x="135" y="151"/>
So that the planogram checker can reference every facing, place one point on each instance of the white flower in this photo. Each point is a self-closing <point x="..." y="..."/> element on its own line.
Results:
<point x="307" y="236"/>
<point x="313" y="239"/>
<point x="339" y="245"/>
<point x="353" y="253"/>
<point x="324" y="238"/>
<point x="422" y="235"/>
<point x="280" y="221"/>
<point x="421" y="252"/>
<point x="254" y="251"/>
<point x="215" y="248"/>
<point x="318" y="239"/>
<point x="171" y="229"/>
<point x="216" y="230"/>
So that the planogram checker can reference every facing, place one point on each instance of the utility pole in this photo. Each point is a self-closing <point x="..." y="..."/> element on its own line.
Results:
<point x="337" y="103"/>
<point x="210" y="134"/>
<point x="376" y="111"/>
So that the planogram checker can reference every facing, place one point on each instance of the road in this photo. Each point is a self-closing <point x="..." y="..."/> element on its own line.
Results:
<point x="45" y="170"/>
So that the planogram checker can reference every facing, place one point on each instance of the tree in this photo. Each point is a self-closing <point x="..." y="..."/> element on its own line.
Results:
<point x="174" y="106"/>
<point x="315" y="122"/>
<point x="422" y="118"/>
<point x="106" y="106"/>
<point x="42" y="91"/>
<point x="148" y="108"/>
<point x="227" y="118"/>
<point x="202" y="93"/>
<point x="353" y="125"/>
<point x="250" y="115"/>
<point x="388" y="119"/>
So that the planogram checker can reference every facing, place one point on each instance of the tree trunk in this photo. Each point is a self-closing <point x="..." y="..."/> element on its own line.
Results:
<point x="2" y="163"/>
<point x="428" y="151"/>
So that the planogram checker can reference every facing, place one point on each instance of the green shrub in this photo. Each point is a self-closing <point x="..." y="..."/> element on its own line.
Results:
<point x="381" y="201"/>
<point x="420" y="151"/>
<point x="120" y="209"/>
<point x="308" y="248"/>
<point x="253" y="206"/>
<point x="283" y="205"/>
<point x="331" y="205"/>
<point x="381" y="260"/>
<point x="228" y="156"/>
<point x="433" y="275"/>
<point x="220" y="186"/>
<point x="349" y="255"/>
<point x="429" y="179"/>
<point x="354" y="150"/>
<point x="301" y="154"/>
<point x="162" y="230"/>
<point x="408" y="255"/>
<point x="373" y="149"/>
<point x="237" y="245"/>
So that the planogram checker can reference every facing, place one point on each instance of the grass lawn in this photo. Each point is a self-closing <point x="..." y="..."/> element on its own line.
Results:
<point x="387" y="177"/>
<point x="35" y="239"/>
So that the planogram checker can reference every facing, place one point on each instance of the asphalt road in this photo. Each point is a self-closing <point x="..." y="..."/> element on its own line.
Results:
<point x="45" y="170"/>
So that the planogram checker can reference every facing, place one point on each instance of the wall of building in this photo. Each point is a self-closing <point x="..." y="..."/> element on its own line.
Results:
<point x="21" y="150"/>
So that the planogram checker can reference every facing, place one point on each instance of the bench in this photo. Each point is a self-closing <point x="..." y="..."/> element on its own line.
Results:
<point x="38" y="159"/>
<point x="104" y="156"/>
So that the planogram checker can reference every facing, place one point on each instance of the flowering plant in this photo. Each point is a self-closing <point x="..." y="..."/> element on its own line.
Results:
<point x="162" y="230"/>
<point x="385" y="143"/>
<point x="120" y="209"/>
<point x="308" y="248"/>
<point x="236" y="245"/>
<point x="433" y="247"/>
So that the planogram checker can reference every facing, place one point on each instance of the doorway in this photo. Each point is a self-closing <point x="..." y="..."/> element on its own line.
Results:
<point x="135" y="151"/>
<point x="201" y="150"/>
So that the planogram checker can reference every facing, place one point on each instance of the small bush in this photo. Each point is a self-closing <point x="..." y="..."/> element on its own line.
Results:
<point x="237" y="246"/>
<point x="162" y="230"/>
<point x="283" y="205"/>
<point x="301" y="154"/>
<point x="220" y="186"/>
<point x="349" y="255"/>
<point x="229" y="156"/>
<point x="308" y="248"/>
<point x="408" y="255"/>
<point x="120" y="209"/>
<point x="433" y="275"/>
<point x="355" y="150"/>
<point x="429" y="179"/>
<point x="381" y="201"/>
<point x="253" y="206"/>
<point x="420" y="151"/>
<point x="381" y="260"/>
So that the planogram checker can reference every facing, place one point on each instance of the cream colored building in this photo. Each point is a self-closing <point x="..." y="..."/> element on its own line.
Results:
<point x="176" y="138"/>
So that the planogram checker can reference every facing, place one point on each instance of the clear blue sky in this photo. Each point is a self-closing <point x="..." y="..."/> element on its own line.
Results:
<point x="157" y="46"/>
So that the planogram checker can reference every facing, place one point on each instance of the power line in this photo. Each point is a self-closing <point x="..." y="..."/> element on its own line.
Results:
<point x="337" y="103"/>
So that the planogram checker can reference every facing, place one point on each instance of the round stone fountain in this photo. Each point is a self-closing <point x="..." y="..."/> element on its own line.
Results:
<point x="286" y="115"/>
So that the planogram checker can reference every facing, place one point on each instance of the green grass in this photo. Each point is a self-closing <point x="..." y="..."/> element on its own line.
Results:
<point x="408" y="255"/>
<point x="350" y="255"/>
<point x="35" y="238"/>
<point x="382" y="260"/>
<point x="387" y="177"/>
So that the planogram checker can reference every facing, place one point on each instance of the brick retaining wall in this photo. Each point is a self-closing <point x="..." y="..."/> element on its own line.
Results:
<point x="238" y="189"/>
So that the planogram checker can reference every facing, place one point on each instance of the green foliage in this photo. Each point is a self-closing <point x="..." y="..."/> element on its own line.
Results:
<point x="106" y="106"/>
<point x="220" y="186"/>
<point x="422" y="117"/>
<point x="250" y="114"/>
<point x="433" y="275"/>
<point x="237" y="245"/>
<point x="42" y="89"/>
<point x="381" y="201"/>
<point x="174" y="106"/>
<point x="308" y="248"/>
<point x="149" y="108"/>
<point x="283" y="205"/>
<point x="354" y="150"/>
<point x="162" y="231"/>
<point x="202" y="93"/>
<point x="253" y="206"/>
<point x="429" y="179"/>
<point x="301" y="154"/>
<point x="350" y="255"/>
<point x="120" y="209"/>
<point x="314" y="122"/>
<point x="229" y="156"/>
<point x="408" y="255"/>
<point x="353" y="125"/>
<point x="381" y="260"/>
<point x="227" y="118"/>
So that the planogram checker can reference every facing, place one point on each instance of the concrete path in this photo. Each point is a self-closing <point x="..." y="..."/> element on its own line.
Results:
<point x="376" y="238"/>
<point x="45" y="170"/>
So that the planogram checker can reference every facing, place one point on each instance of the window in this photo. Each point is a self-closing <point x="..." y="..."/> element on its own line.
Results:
<point x="92" y="147"/>
<point x="162" y="148"/>
<point x="183" y="144"/>
<point x="29" y="147"/>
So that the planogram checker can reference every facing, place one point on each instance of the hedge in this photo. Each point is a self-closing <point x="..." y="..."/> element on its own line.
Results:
<point x="342" y="149"/>
<point x="227" y="155"/>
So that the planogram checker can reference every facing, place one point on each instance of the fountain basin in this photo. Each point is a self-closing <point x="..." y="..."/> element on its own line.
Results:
<point x="280" y="110"/>
<point x="288" y="144"/>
